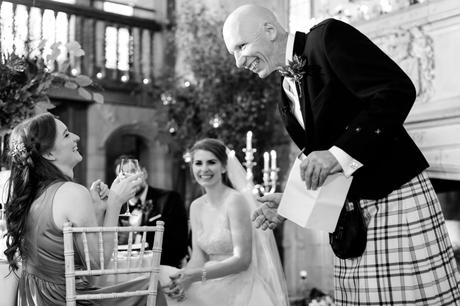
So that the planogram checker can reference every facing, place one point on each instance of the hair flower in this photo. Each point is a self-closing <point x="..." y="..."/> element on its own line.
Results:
<point x="18" y="149"/>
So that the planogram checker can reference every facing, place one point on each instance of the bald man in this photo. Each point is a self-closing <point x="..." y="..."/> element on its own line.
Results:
<point x="345" y="108"/>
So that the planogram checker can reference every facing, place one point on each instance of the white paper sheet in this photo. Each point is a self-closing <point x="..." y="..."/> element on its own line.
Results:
<point x="317" y="209"/>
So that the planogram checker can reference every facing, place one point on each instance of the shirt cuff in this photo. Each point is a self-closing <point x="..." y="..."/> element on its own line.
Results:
<point x="349" y="164"/>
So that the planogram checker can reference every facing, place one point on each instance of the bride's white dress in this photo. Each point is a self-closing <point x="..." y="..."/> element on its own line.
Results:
<point x="247" y="288"/>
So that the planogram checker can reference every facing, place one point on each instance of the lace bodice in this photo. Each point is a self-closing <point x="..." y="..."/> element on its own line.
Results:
<point x="214" y="237"/>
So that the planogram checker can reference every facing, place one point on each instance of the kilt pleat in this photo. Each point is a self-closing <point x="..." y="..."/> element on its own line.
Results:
<point x="408" y="259"/>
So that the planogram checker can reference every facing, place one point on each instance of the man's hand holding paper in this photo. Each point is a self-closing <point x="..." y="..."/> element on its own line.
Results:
<point x="316" y="167"/>
<point x="313" y="197"/>
<point x="318" y="207"/>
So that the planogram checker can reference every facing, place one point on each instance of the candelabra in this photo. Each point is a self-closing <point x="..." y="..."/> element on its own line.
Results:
<point x="270" y="172"/>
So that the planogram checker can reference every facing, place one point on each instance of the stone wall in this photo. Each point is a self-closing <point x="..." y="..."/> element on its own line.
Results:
<point x="108" y="120"/>
<point x="425" y="41"/>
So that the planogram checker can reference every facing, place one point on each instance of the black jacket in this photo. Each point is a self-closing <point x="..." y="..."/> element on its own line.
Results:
<point x="170" y="205"/>
<point x="355" y="97"/>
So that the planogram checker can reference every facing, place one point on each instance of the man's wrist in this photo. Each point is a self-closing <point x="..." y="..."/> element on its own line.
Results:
<point x="346" y="162"/>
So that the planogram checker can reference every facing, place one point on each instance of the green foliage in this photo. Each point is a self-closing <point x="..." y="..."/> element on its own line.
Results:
<point x="238" y="97"/>
<point x="24" y="83"/>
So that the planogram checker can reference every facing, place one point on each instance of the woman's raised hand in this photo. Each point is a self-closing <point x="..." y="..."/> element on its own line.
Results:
<point x="99" y="189"/>
<point x="125" y="188"/>
<point x="99" y="193"/>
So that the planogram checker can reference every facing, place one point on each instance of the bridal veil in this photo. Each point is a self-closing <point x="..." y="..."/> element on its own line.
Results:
<point x="265" y="259"/>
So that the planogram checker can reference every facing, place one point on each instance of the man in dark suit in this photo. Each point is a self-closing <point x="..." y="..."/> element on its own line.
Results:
<point x="344" y="102"/>
<point x="151" y="204"/>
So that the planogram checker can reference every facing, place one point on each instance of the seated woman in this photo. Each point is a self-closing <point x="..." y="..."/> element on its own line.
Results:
<point x="42" y="197"/>
<point x="231" y="264"/>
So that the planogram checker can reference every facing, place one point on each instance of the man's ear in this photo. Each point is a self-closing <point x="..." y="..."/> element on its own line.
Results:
<point x="271" y="31"/>
<point x="145" y="174"/>
<point x="49" y="156"/>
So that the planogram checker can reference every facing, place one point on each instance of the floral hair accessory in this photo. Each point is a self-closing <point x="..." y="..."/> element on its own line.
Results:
<point x="18" y="149"/>
<point x="19" y="153"/>
<point x="294" y="69"/>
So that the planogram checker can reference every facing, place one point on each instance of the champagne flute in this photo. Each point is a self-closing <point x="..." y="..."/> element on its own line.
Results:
<point x="128" y="166"/>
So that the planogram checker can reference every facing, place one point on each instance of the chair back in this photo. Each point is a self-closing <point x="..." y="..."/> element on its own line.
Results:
<point x="112" y="267"/>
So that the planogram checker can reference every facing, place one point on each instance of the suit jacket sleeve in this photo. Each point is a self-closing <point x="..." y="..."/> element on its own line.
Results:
<point x="386" y="92"/>
<point x="175" y="237"/>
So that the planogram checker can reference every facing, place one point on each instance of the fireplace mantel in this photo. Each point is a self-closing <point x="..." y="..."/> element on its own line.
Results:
<point x="424" y="39"/>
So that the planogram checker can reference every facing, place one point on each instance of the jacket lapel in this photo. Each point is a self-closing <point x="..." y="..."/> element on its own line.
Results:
<point x="152" y="194"/>
<point x="295" y="130"/>
<point x="300" y="45"/>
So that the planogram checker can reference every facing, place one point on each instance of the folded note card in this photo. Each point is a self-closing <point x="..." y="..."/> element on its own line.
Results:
<point x="317" y="209"/>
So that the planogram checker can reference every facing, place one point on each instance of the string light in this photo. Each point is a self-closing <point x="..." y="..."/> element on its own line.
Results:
<point x="172" y="127"/>
<point x="216" y="121"/>
<point x="187" y="157"/>
<point x="124" y="78"/>
<point x="303" y="274"/>
<point x="167" y="99"/>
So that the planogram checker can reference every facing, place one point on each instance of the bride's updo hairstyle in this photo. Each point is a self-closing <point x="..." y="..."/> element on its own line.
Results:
<point x="31" y="173"/>
<point x="217" y="148"/>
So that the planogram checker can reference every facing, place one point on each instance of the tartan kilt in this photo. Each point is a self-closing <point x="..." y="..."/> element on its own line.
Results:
<point x="408" y="258"/>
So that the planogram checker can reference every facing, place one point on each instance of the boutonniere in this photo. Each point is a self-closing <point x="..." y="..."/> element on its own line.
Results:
<point x="295" y="70"/>
<point x="147" y="207"/>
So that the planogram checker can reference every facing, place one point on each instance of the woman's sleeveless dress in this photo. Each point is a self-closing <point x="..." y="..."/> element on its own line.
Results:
<point x="246" y="288"/>
<point x="42" y="281"/>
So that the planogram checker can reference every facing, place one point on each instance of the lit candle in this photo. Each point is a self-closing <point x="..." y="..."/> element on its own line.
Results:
<point x="266" y="161"/>
<point x="249" y="141"/>
<point x="273" y="155"/>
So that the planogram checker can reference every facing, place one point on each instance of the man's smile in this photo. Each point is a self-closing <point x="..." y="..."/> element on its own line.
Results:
<point x="253" y="65"/>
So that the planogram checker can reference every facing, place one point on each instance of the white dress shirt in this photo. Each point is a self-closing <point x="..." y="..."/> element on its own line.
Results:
<point x="349" y="164"/>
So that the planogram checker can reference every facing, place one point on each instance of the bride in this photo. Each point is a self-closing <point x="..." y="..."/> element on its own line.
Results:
<point x="231" y="263"/>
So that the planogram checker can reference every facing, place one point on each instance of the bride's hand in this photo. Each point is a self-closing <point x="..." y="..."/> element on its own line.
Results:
<point x="178" y="285"/>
